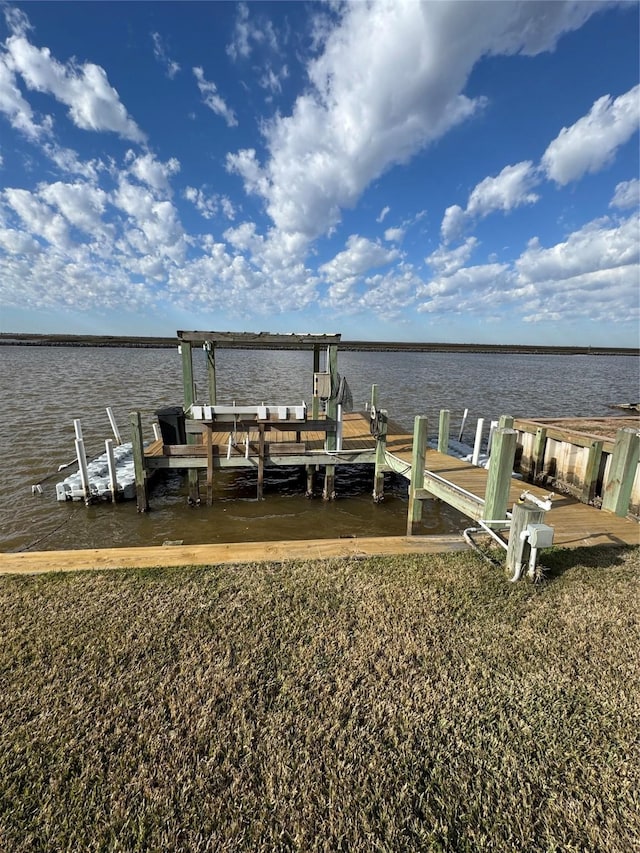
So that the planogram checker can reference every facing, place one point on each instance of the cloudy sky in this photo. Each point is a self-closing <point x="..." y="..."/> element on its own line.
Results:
<point x="444" y="171"/>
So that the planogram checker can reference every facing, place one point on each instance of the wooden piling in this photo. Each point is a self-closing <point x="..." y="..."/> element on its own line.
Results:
<point x="209" y="446"/>
<point x="518" y="551"/>
<point x="187" y="375"/>
<point x="329" y="490"/>
<point x="414" y="512"/>
<point x="211" y="372"/>
<point x="142" y="497"/>
<point x="311" y="470"/>
<point x="260" y="462"/>
<point x="381" y="456"/>
<point x="592" y="470"/>
<point x="624" y="464"/>
<point x="503" y="454"/>
<point x="332" y="402"/>
<point x="443" y="431"/>
<point x="539" y="447"/>
<point x="315" y="402"/>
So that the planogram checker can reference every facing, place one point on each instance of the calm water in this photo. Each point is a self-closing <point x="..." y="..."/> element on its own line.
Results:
<point x="42" y="389"/>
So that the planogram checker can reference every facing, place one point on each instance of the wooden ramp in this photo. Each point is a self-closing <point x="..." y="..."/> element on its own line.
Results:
<point x="575" y="523"/>
<point x="38" y="562"/>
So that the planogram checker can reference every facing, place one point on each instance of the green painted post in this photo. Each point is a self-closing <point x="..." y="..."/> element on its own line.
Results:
<point x="505" y="422"/>
<point x="142" y="498"/>
<point x="443" y="431"/>
<point x="503" y="454"/>
<point x="211" y="371"/>
<point x="622" y="473"/>
<point x="592" y="470"/>
<point x="414" y="512"/>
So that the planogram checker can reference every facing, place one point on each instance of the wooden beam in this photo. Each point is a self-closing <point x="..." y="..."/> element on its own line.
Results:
<point x="211" y="372"/>
<point x="142" y="497"/>
<point x="414" y="512"/>
<point x="592" y="470"/>
<point x="624" y="465"/>
<point x="443" y="431"/>
<point x="332" y="402"/>
<point x="539" y="447"/>
<point x="259" y="340"/>
<point x="209" y="446"/>
<point x="187" y="375"/>
<point x="503" y="454"/>
<point x="381" y="457"/>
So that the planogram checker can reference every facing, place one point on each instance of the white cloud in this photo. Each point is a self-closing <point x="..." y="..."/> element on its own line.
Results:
<point x="394" y="234"/>
<point x="16" y="108"/>
<point x="81" y="204"/>
<point x="272" y="80"/>
<point x="250" y="32"/>
<point x="93" y="103"/>
<point x="627" y="194"/>
<point x="596" y="247"/>
<point x="152" y="172"/>
<point x="38" y="217"/>
<point x="383" y="213"/>
<point x="446" y="262"/>
<point x="210" y="205"/>
<point x="591" y="143"/>
<point x="467" y="289"/>
<point x="506" y="191"/>
<point x="160" y="53"/>
<point x="388" y="82"/>
<point x="213" y="100"/>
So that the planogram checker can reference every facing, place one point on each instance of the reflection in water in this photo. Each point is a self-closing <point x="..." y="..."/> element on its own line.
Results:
<point x="42" y="389"/>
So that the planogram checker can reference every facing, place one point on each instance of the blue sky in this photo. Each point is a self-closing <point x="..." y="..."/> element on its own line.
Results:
<point x="452" y="171"/>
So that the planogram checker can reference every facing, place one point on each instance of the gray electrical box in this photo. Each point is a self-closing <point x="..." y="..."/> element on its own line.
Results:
<point x="540" y="535"/>
<point x="322" y="385"/>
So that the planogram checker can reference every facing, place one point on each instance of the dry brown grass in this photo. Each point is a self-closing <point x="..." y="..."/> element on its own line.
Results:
<point x="419" y="703"/>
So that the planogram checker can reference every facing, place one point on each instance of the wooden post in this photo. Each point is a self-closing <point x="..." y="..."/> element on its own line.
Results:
<point x="329" y="490"/>
<point x="503" y="454"/>
<point x="592" y="470"/>
<point x="624" y="464"/>
<point x="443" y="431"/>
<point x="211" y="371"/>
<point x="414" y="512"/>
<point x="310" y="478"/>
<point x="332" y="402"/>
<point x="187" y="375"/>
<point x="260" y="462"/>
<point x="518" y="550"/>
<point x="381" y="462"/>
<point x="209" y="444"/>
<point x="539" y="447"/>
<point x="505" y="422"/>
<point x="142" y="497"/>
<point x="315" y="402"/>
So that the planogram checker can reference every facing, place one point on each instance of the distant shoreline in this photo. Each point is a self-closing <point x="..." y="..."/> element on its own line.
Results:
<point x="54" y="340"/>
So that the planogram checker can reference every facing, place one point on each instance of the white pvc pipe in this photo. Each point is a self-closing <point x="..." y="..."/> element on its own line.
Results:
<point x="463" y="424"/>
<point x="492" y="429"/>
<point x="82" y="466"/>
<point x="78" y="428"/>
<point x="114" y="426"/>
<point x="339" y="429"/>
<point x="111" y="464"/>
<point x="477" y="442"/>
<point x="156" y="431"/>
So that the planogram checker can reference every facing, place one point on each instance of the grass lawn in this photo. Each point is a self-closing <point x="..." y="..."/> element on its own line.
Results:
<point x="385" y="704"/>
